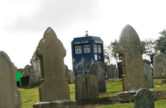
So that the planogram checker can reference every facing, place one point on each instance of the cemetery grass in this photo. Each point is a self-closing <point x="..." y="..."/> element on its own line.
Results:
<point x="31" y="96"/>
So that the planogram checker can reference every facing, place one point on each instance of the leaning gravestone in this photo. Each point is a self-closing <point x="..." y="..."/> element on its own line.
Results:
<point x="144" y="99"/>
<point x="86" y="88"/>
<point x="51" y="53"/>
<point x="159" y="65"/>
<point x="98" y="69"/>
<point x="130" y="52"/>
<point x="9" y="95"/>
<point x="148" y="73"/>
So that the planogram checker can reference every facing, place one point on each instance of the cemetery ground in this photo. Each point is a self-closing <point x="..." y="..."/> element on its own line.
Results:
<point x="31" y="96"/>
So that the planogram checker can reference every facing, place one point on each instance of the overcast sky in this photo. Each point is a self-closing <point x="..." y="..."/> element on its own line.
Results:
<point x="23" y="22"/>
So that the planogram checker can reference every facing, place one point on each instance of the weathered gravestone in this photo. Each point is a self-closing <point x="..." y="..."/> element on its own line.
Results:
<point x="144" y="99"/>
<point x="36" y="71"/>
<point x="86" y="88"/>
<point x="51" y="53"/>
<point x="112" y="71"/>
<point x="159" y="65"/>
<point x="148" y="73"/>
<point x="130" y="52"/>
<point x="25" y="80"/>
<point x="31" y="73"/>
<point x="98" y="69"/>
<point x="9" y="95"/>
<point x="69" y="75"/>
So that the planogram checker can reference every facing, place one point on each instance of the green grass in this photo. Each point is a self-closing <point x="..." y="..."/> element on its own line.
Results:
<point x="124" y="105"/>
<point x="114" y="85"/>
<point x="31" y="96"/>
<point x="158" y="86"/>
<point x="72" y="91"/>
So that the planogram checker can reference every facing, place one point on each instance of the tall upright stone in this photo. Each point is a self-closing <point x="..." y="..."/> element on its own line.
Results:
<point x="51" y="54"/>
<point x="9" y="94"/>
<point x="98" y="69"/>
<point x="159" y="65"/>
<point x="148" y="71"/>
<point x="144" y="99"/>
<point x="130" y="52"/>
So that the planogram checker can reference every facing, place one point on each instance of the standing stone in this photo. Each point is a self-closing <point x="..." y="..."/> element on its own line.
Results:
<point x="9" y="94"/>
<point x="130" y="52"/>
<point x="144" y="99"/>
<point x="148" y="73"/>
<point x="159" y="65"/>
<point x="51" y="53"/>
<point x="86" y="88"/>
<point x="98" y="69"/>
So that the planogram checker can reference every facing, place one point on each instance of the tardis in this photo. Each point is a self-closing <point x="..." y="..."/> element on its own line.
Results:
<point x="85" y="51"/>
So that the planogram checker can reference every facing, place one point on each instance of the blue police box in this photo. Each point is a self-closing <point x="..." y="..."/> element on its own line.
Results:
<point x="86" y="50"/>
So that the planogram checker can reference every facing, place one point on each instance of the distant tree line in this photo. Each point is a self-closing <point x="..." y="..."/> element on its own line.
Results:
<point x="147" y="47"/>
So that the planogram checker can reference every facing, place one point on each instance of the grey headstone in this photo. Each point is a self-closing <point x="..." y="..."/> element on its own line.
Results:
<point x="112" y="71"/>
<point x="26" y="70"/>
<point x="9" y="94"/>
<point x="36" y="71"/>
<point x="51" y="53"/>
<point x="69" y="75"/>
<point x="148" y="73"/>
<point x="31" y="73"/>
<point x="144" y="99"/>
<point x="98" y="69"/>
<point x="130" y="52"/>
<point x="86" y="88"/>
<point x="25" y="80"/>
<point x="159" y="65"/>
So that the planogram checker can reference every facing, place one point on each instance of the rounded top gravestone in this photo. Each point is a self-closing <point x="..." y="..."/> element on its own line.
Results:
<point x="132" y="63"/>
<point x="144" y="99"/>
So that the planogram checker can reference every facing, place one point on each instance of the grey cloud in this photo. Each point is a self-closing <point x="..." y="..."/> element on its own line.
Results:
<point x="58" y="13"/>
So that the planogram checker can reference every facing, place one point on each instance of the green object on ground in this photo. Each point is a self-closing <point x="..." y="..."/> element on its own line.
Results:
<point x="18" y="76"/>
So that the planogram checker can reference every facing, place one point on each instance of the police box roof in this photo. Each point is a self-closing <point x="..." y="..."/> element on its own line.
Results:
<point x="87" y="39"/>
